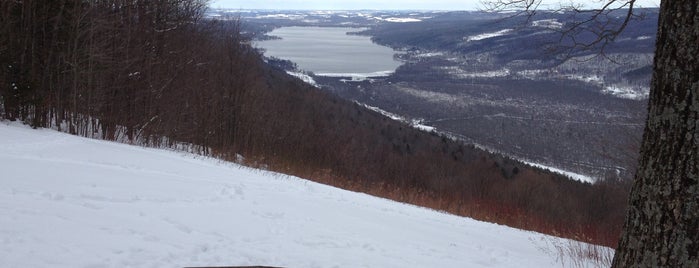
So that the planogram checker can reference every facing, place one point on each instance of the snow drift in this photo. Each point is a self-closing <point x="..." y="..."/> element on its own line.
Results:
<point x="67" y="201"/>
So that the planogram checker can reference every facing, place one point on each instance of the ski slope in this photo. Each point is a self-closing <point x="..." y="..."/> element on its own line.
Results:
<point x="67" y="201"/>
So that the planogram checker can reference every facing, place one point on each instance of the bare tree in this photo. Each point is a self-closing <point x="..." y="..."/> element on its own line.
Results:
<point x="662" y="223"/>
<point x="586" y="30"/>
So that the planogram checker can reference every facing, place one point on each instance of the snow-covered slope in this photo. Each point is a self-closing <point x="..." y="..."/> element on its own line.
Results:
<point x="67" y="201"/>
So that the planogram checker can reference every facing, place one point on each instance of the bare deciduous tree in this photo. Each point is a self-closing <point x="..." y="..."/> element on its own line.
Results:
<point x="662" y="224"/>
<point x="586" y="30"/>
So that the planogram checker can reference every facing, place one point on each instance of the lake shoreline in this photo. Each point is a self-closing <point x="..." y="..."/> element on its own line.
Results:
<point x="331" y="51"/>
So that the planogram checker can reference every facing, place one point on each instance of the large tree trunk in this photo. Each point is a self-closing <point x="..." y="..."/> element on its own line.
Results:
<point x="662" y="224"/>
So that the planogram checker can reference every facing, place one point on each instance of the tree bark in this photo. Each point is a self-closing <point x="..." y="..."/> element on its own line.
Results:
<point x="662" y="224"/>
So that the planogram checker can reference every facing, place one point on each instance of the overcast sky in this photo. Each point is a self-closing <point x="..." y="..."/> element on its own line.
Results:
<point x="384" y="4"/>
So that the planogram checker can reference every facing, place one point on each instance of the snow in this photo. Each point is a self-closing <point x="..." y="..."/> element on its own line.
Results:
<point x="593" y="79"/>
<point x="429" y="54"/>
<point x="415" y="123"/>
<point x="458" y="72"/>
<point x="487" y="35"/>
<point x="418" y="124"/>
<point x="619" y="90"/>
<point x="304" y="77"/>
<point x="400" y="20"/>
<point x="385" y="113"/>
<point x="280" y="16"/>
<point x="67" y="201"/>
<point x="532" y="74"/>
<point x="549" y="23"/>
<point x="358" y="76"/>
<point x="628" y="92"/>
<point x="622" y="90"/>
<point x="569" y="174"/>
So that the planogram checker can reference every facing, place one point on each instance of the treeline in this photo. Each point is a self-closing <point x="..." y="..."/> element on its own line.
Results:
<point x="314" y="134"/>
<point x="122" y="69"/>
<point x="156" y="73"/>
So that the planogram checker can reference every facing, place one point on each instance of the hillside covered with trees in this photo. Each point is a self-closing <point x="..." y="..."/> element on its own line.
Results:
<point x="155" y="73"/>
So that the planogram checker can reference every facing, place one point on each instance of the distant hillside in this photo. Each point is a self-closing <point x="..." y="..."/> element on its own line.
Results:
<point x="515" y="85"/>
<point x="555" y="96"/>
<point x="515" y="38"/>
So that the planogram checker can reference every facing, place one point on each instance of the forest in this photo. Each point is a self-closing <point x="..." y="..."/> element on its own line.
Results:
<point x="156" y="73"/>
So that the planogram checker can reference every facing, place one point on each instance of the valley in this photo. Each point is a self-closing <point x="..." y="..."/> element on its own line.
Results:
<point x="173" y="133"/>
<point x="507" y="85"/>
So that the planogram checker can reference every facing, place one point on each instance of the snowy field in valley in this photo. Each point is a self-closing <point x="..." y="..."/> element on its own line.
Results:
<point x="67" y="201"/>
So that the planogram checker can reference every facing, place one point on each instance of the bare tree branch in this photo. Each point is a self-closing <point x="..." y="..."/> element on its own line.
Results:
<point x="589" y="30"/>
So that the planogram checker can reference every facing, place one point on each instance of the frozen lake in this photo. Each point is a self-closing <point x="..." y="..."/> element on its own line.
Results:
<point x="330" y="51"/>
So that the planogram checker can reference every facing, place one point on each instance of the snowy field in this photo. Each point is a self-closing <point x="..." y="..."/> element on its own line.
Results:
<point x="67" y="201"/>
